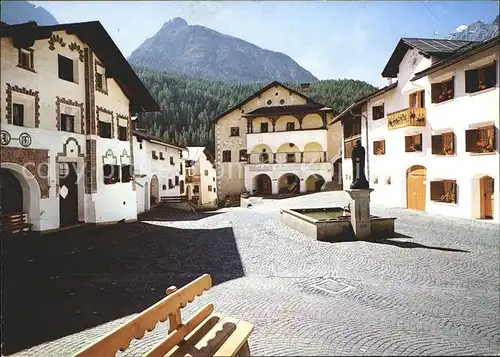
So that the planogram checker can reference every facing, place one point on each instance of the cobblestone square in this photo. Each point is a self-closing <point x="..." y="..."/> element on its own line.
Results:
<point x="433" y="290"/>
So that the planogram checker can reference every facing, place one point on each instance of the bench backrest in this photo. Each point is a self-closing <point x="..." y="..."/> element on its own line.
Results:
<point x="14" y="217"/>
<point x="168" y="307"/>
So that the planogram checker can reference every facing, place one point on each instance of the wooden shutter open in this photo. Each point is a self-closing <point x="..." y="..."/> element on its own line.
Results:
<point x="437" y="190"/>
<point x="382" y="145"/>
<point x="417" y="139"/>
<point x="437" y="144"/>
<point x="408" y="142"/>
<point x="471" y="81"/>
<point x="435" y="91"/>
<point x="471" y="138"/>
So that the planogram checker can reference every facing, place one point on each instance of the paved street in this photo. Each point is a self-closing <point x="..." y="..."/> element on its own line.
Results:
<point x="434" y="290"/>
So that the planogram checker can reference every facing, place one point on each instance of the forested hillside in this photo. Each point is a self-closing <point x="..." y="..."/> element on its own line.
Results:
<point x="188" y="104"/>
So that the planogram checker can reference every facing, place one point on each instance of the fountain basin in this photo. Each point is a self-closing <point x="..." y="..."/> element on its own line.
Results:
<point x="330" y="224"/>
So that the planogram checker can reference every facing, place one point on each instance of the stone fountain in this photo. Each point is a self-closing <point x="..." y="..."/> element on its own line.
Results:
<point x="331" y="224"/>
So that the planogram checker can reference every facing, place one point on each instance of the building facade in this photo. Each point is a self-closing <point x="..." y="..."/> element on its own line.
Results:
<point x="158" y="170"/>
<point x="201" y="177"/>
<point x="432" y="136"/>
<point x="276" y="141"/>
<point x="66" y="154"/>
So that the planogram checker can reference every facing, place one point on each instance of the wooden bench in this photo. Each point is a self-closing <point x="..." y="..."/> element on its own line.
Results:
<point x="15" y="223"/>
<point x="205" y="334"/>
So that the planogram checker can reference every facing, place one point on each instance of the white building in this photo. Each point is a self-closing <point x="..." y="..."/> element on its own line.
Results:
<point x="158" y="170"/>
<point x="201" y="182"/>
<point x="275" y="141"/>
<point x="66" y="155"/>
<point x="431" y="137"/>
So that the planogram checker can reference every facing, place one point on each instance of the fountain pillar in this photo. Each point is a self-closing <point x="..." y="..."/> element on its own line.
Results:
<point x="360" y="212"/>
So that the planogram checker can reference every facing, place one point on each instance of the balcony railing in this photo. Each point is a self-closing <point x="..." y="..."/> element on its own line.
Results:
<point x="287" y="157"/>
<point x="191" y="179"/>
<point x="406" y="117"/>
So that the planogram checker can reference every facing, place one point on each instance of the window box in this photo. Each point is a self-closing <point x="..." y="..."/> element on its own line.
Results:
<point x="413" y="143"/>
<point x="379" y="147"/>
<point x="443" y="91"/>
<point x="443" y="144"/>
<point x="444" y="191"/>
<point x="481" y="140"/>
<point x="481" y="78"/>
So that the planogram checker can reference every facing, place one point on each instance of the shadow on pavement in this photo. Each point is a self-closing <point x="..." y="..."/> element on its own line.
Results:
<point x="167" y="214"/>
<point x="61" y="283"/>
<point x="403" y="244"/>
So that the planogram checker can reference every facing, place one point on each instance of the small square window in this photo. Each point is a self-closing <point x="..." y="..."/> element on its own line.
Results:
<point x="67" y="123"/>
<point x="290" y="157"/>
<point x="214" y="189"/>
<point x="122" y="133"/>
<point x="243" y="155"/>
<point x="213" y="179"/>
<point x="209" y="187"/>
<point x="226" y="156"/>
<point x="176" y="180"/>
<point x="235" y="131"/>
<point x="172" y="160"/>
<point x="290" y="126"/>
<point x="206" y="172"/>
<point x="104" y="129"/>
<point x="66" y="68"/>
<point x="25" y="58"/>
<point x="126" y="174"/>
<point x="18" y="114"/>
<point x="111" y="174"/>
<point x="161" y="156"/>
<point x="196" y="189"/>
<point x="264" y="127"/>
<point x="99" y="81"/>
<point x="170" y="184"/>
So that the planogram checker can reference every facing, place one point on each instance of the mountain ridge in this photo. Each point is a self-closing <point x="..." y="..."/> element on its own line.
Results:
<point x="477" y="31"/>
<point x="199" y="51"/>
<point x="16" y="12"/>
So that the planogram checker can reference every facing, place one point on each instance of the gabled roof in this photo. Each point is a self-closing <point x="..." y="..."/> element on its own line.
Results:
<point x="287" y="109"/>
<point x="462" y="53"/>
<point x="428" y="47"/>
<point x="96" y="37"/>
<point x="259" y="92"/>
<point x="357" y="104"/>
<point x="143" y="135"/>
<point x="196" y="151"/>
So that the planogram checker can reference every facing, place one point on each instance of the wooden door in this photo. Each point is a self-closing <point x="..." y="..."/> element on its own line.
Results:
<point x="487" y="197"/>
<point x="264" y="185"/>
<point x="415" y="188"/>
<point x="68" y="194"/>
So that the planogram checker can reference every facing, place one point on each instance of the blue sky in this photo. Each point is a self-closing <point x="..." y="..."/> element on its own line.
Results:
<point x="332" y="39"/>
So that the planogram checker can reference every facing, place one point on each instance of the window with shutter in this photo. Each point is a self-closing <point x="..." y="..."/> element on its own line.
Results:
<point x="471" y="140"/>
<point x="449" y="191"/>
<point x="437" y="144"/>
<point x="442" y="91"/>
<point x="471" y="81"/>
<point x="18" y="114"/>
<point x="449" y="143"/>
<point x="379" y="147"/>
<point x="437" y="190"/>
<point x="408" y="143"/>
<point x="226" y="156"/>
<point x="486" y="139"/>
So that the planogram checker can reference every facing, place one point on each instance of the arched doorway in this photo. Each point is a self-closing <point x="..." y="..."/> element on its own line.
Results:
<point x="415" y="187"/>
<point x="146" y="196"/>
<point x="11" y="200"/>
<point x="313" y="152"/>
<point x="288" y="153"/>
<point x="30" y="201"/>
<point x="262" y="185"/>
<point x="154" y="190"/>
<point x="68" y="194"/>
<point x="289" y="183"/>
<point x="337" y="173"/>
<point x="487" y="196"/>
<point x="314" y="183"/>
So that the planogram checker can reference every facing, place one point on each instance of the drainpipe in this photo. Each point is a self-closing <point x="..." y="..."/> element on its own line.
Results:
<point x="367" y="150"/>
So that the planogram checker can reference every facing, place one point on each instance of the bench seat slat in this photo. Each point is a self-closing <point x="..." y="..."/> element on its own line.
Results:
<point x="236" y="340"/>
<point x="177" y="336"/>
